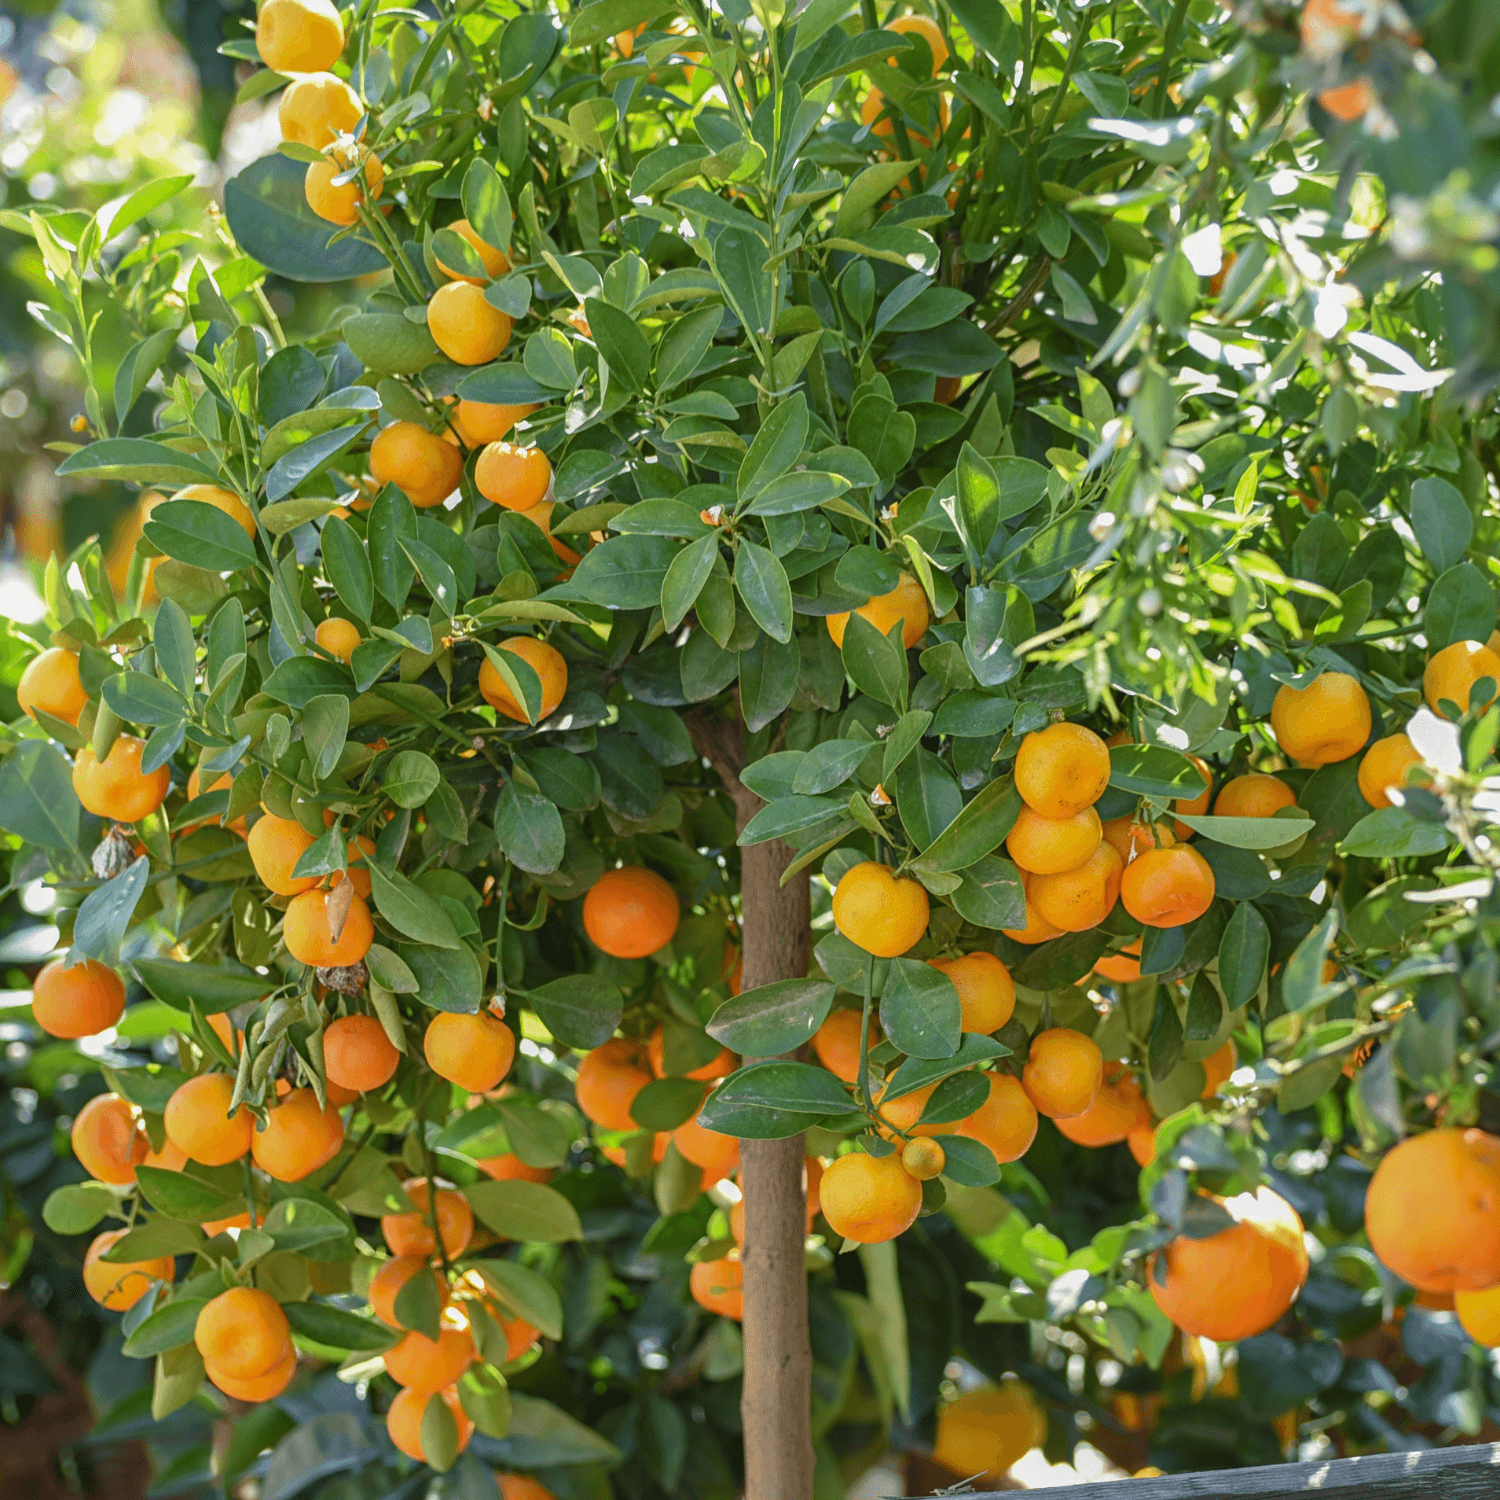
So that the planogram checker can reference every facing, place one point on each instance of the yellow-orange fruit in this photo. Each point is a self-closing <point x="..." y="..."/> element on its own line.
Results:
<point x="906" y="602"/>
<point x="52" y="685"/>
<point x="122" y="1284"/>
<point x="878" y="911"/>
<point x="81" y="1001"/>
<point x="631" y="912"/>
<point x="475" y="1052"/>
<point x="116" y="787"/>
<point x="546" y="661"/>
<point x="1328" y="720"/>
<point x="986" y="992"/>
<point x="1061" y="770"/>
<point x="199" y="1123"/>
<point x="1063" y="1072"/>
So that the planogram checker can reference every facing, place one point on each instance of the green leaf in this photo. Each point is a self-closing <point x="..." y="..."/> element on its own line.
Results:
<point x="771" y="1100"/>
<point x="777" y="446"/>
<point x="141" y="362"/>
<point x="919" y="1009"/>
<point x="313" y="1227"/>
<point x="918" y="1073"/>
<point x="685" y="578"/>
<point x="201" y="535"/>
<point x="99" y="928"/>
<point x="75" y="1209"/>
<point x="167" y="1327"/>
<point x="626" y="572"/>
<point x="876" y="663"/>
<point x="410" y="910"/>
<point x="529" y="829"/>
<point x="978" y="499"/>
<point x="212" y="987"/>
<point x="866" y="189"/>
<point x="348" y="567"/>
<point x="527" y="1212"/>
<point x="1393" y="833"/>
<point x="1247" y="833"/>
<point x="666" y="1103"/>
<point x="991" y="895"/>
<point x="978" y="829"/>
<point x="1154" y="771"/>
<point x="138" y="461"/>
<point x="334" y="1328"/>
<point x="829" y="765"/>
<point x="762" y="583"/>
<point x="620" y="341"/>
<point x="1441" y="520"/>
<point x="1244" y="951"/>
<point x="772" y="1018"/>
<point x="37" y="801"/>
<point x="580" y="1010"/>
<point x="410" y="778"/>
<point x="606" y="18"/>
<point x="182" y="1196"/>
<point x="139" y="699"/>
<point x="527" y="1293"/>
<point x="685" y="342"/>
<point x="968" y="1163"/>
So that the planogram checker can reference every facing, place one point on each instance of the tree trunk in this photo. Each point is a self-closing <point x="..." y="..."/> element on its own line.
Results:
<point x="776" y="1404"/>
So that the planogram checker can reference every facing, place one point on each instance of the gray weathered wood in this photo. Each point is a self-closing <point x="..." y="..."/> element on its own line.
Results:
<point x="1468" y="1472"/>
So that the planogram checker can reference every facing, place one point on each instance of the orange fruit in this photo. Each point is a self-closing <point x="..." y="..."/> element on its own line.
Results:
<point x="1217" y="1069"/>
<point x="386" y="1285"/>
<point x="1037" y="929"/>
<point x="540" y="516"/>
<point x="117" y="788"/>
<point x="108" y="1140"/>
<point x="1433" y="1210"/>
<point x="519" y="1336"/>
<point x="869" y="1199"/>
<point x="1123" y="967"/>
<point x="906" y="602"/>
<point x="1348" y="101"/>
<point x="1006" y="1122"/>
<point x="1328" y="720"/>
<point x="609" y="1078"/>
<point x="467" y="328"/>
<point x="508" y="1167"/>
<point x="170" y="1158"/>
<point x="1129" y="838"/>
<point x="523" y="1486"/>
<point x="242" y="1332"/>
<point x="340" y="202"/>
<point x="656" y="1054"/>
<point x="52" y="685"/>
<point x="1064" y="1070"/>
<point x="496" y="262"/>
<point x="411" y="1233"/>
<point x="836" y="1043"/>
<point x="337" y="636"/>
<point x="902" y="1113"/>
<point x="318" y="108"/>
<point x="1078" y="899"/>
<point x="299" y="1137"/>
<point x="479" y="423"/>
<point x="419" y="463"/>
<point x="403" y="1422"/>
<point x="1048" y="846"/>
<point x="1168" y="887"/>
<point x="195" y="789"/>
<point x="1061" y="770"/>
<point x="1117" y="1110"/>
<point x="513" y="475"/>
<point x="475" y="1052"/>
<point x="263" y="1387"/>
<point x="1237" y="1283"/>
<point x="198" y="1121"/>
<point x="1253" y="796"/>
<point x="1452" y="672"/>
<point x="299" y="36"/>
<point x="924" y="1159"/>
<point x="1195" y="807"/>
<point x="873" y="106"/>
<point x="1328" y="26"/>
<point x="221" y="499"/>
<point x="309" y="939"/>
<point x="878" y="911"/>
<point x="1142" y="1143"/>
<point x="986" y="992"/>
<point x="1479" y="1315"/>
<point x="631" y="912"/>
<point x="1385" y="765"/>
<point x="123" y="1284"/>
<point x="81" y="1001"/>
<point x="929" y="31"/>
<point x="426" y="1365"/>
<point x="714" y="1154"/>
<point x="985" y="1431"/>
<point x="357" y="1054"/>
<point x="546" y="661"/>
<point x="719" y="1286"/>
<point x="275" y="845"/>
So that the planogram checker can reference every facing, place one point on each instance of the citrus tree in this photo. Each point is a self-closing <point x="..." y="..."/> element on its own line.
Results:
<point x="843" y="590"/>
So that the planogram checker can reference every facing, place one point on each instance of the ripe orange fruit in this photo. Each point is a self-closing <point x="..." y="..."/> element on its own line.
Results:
<point x="1348" y="101"/>
<point x="906" y="602"/>
<point x="122" y="1285"/>
<point x="836" y="1043"/>
<point x="929" y="31"/>
<point x="81" y="1001"/>
<point x="1078" y="899"/>
<point x="195" y="788"/>
<point x="869" y="1199"/>
<point x="338" y="636"/>
<point x="299" y="36"/>
<point x="656" y="1054"/>
<point x="513" y="475"/>
<point x="482" y="422"/>
<point x="1117" y="1110"/>
<point x="1061" y="770"/>
<point x="419" y="463"/>
<point x="508" y="1167"/>
<point x="108" y="1140"/>
<point x="1385" y="765"/>
<point x="299" y="1137"/>
<point x="1142" y="1142"/>
<point x="714" y="1154"/>
<point x="902" y="1113"/>
<point x="986" y="1431"/>
<point x="546" y="661"/>
<point x="986" y="992"/>
<point x="1479" y="1315"/>
<point x="51" y="683"/>
<point x="1236" y="1283"/>
<point x="411" y="1233"/>
<point x="264" y="1387"/>
<point x="540" y="516"/>
<point x="1452" y="672"/>
<point x="357" y="1054"/>
<point x="170" y="1158"/>
<point x="924" y="1159"/>
<point x="1217" y="1069"/>
<point x="873" y="105"/>
<point x="1433" y="1210"/>
<point x="523" y="1486"/>
<point x="1063" y="1072"/>
<point x="1048" y="846"/>
<point x="719" y="1286"/>
<point x="117" y="788"/>
<point x="1168" y="887"/>
<point x="403" y="1422"/>
<point x="1195" y="806"/>
<point x="1328" y="26"/>
<point x="221" y="499"/>
<point x="1123" y="967"/>
<point x="467" y="328"/>
<point x="1327" y="721"/>
<point x="1253" y="796"/>
<point x="198" y="1121"/>
<point x="318" y="108"/>
<point x="212" y="1227"/>
<point x="340" y="202"/>
<point x="496" y="262"/>
<point x="387" y="1282"/>
<point x="475" y="1052"/>
<point x="1005" y="1122"/>
<point x="879" y="912"/>
<point x="1129" y="838"/>
<point x="310" y="940"/>
<point x="519" y="1336"/>
<point x="1037" y="929"/>
<point x="630" y="912"/>
<point x="242" y="1332"/>
<point x="275" y="845"/>
<point x="609" y="1078"/>
<point x="426" y="1365"/>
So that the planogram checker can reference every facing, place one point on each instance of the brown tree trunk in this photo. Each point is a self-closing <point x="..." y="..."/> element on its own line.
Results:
<point x="776" y="1403"/>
